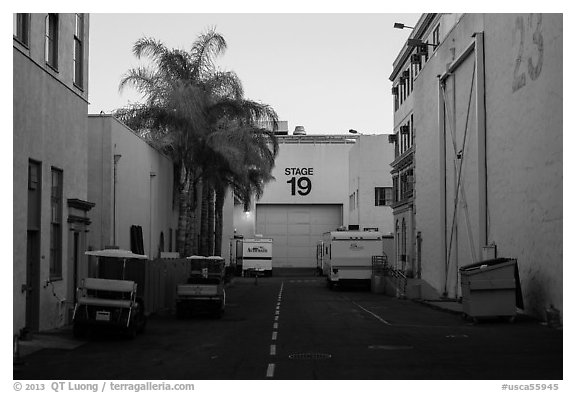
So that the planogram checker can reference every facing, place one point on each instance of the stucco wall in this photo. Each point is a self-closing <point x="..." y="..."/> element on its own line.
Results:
<point x="141" y="199"/>
<point x="368" y="160"/>
<point x="49" y="125"/>
<point x="523" y="153"/>
<point x="330" y="171"/>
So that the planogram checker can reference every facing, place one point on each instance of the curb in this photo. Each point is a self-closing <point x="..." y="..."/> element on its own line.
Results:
<point x="436" y="307"/>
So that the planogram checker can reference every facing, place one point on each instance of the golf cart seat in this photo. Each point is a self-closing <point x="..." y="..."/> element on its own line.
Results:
<point x="105" y="292"/>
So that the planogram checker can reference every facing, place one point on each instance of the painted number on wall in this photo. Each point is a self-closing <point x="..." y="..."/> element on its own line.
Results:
<point x="303" y="184"/>
<point x="299" y="184"/>
<point x="531" y="57"/>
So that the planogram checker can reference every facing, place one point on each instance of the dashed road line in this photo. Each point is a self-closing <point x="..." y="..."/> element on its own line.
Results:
<point x="270" y="371"/>
<point x="272" y="366"/>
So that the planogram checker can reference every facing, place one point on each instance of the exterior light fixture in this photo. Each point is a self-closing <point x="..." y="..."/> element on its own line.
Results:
<point x="402" y="26"/>
<point x="412" y="42"/>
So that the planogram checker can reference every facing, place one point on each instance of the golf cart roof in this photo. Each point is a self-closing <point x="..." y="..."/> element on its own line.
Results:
<point x="116" y="253"/>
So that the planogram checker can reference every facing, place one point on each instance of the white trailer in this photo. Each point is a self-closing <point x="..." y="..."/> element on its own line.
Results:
<point x="256" y="256"/>
<point x="348" y="256"/>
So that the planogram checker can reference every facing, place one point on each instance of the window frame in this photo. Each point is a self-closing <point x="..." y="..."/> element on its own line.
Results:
<point x="56" y="222"/>
<point x="51" y="27"/>
<point x="21" y="28"/>
<point x="78" y="52"/>
<point x="383" y="196"/>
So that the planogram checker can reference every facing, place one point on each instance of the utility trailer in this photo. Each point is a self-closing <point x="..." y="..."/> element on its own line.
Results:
<point x="347" y="257"/>
<point x="203" y="292"/>
<point x="256" y="257"/>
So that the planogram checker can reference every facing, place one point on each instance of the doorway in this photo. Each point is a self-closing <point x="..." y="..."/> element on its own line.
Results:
<point x="32" y="281"/>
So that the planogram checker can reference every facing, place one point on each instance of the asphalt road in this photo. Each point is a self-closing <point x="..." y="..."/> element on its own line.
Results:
<point x="294" y="328"/>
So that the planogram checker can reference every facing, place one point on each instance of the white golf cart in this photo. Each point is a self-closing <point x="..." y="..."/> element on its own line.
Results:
<point x="109" y="303"/>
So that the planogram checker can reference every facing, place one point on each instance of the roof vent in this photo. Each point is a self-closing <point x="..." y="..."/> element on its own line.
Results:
<point x="299" y="130"/>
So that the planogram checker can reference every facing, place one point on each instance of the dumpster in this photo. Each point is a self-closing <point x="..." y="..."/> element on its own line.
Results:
<point x="491" y="289"/>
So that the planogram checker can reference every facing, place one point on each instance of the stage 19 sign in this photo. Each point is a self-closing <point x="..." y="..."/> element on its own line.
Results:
<point x="298" y="183"/>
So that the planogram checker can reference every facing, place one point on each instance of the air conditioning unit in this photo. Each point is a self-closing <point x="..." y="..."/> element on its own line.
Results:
<point x="395" y="90"/>
<point x="404" y="129"/>
<point x="415" y="58"/>
<point x="392" y="138"/>
<point x="406" y="74"/>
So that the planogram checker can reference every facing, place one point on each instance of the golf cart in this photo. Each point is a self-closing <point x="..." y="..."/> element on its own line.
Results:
<point x="109" y="303"/>
<point x="203" y="292"/>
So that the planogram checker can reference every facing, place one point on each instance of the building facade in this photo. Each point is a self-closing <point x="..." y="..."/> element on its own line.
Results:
<point x="132" y="185"/>
<point x="406" y="68"/>
<point x="488" y="173"/>
<point x="308" y="197"/>
<point x="322" y="182"/>
<point x="50" y="191"/>
<point x="370" y="189"/>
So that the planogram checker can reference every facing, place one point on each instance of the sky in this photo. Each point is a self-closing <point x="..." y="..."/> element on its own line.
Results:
<point x="326" y="72"/>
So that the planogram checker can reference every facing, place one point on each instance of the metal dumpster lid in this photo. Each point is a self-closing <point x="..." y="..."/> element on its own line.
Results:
<point x="487" y="263"/>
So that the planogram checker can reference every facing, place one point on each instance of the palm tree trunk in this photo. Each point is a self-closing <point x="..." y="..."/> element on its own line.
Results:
<point x="192" y="235"/>
<point x="183" y="191"/>
<point x="207" y="220"/>
<point x="211" y="218"/>
<point x="218" y="219"/>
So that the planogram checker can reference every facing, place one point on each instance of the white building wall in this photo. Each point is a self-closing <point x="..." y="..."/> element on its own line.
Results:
<point x="369" y="160"/>
<point x="523" y="152"/>
<point x="144" y="188"/>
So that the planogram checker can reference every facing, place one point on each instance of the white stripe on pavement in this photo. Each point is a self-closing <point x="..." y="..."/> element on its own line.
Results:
<point x="272" y="349"/>
<point x="270" y="371"/>
<point x="371" y="313"/>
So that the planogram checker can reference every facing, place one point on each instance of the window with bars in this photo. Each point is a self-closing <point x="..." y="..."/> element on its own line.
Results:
<point x="51" y="41"/>
<point x="79" y="50"/>
<point x="383" y="196"/>
<point x="56" y="225"/>
<point x="21" y="28"/>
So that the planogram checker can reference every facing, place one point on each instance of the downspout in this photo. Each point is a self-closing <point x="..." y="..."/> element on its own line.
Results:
<point x="442" y="177"/>
<point x="481" y="129"/>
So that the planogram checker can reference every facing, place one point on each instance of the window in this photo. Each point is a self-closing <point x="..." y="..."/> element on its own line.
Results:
<point x="383" y="196"/>
<point x="51" y="41"/>
<point x="56" y="225"/>
<point x="436" y="37"/>
<point x="78" y="50"/>
<point x="21" y="23"/>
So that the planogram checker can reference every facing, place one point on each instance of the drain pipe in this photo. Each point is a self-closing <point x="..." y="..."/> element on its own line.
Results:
<point x="442" y="177"/>
<point x="481" y="129"/>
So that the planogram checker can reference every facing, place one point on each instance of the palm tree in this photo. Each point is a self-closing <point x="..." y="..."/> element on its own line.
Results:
<point x="186" y="101"/>
<point x="238" y="157"/>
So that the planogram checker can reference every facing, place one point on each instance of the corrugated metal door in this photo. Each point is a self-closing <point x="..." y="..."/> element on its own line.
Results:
<point x="296" y="229"/>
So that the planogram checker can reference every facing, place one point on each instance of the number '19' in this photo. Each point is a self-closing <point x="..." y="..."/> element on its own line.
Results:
<point x="303" y="184"/>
